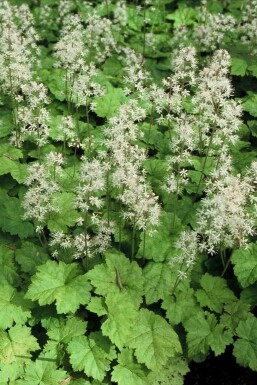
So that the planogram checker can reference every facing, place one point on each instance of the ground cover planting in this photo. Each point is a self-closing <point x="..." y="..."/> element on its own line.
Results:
<point x="128" y="207"/>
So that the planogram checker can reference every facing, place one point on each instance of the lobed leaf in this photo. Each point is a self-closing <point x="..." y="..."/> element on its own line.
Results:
<point x="59" y="283"/>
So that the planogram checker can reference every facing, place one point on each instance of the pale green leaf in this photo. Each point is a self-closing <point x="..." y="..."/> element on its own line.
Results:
<point x="108" y="104"/>
<point x="128" y="371"/>
<point x="172" y="374"/>
<point x="60" y="283"/>
<point x="153" y="339"/>
<point x="184" y="15"/>
<point x="159" y="280"/>
<point x="117" y="275"/>
<point x="159" y="247"/>
<point x="43" y="373"/>
<point x="121" y="313"/>
<point x="11" y="307"/>
<point x="10" y="373"/>
<point x="16" y="344"/>
<point x="238" y="66"/>
<point x="63" y="330"/>
<point x="88" y="354"/>
<point x="66" y="216"/>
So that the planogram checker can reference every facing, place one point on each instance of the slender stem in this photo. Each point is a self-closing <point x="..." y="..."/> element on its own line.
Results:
<point x="108" y="198"/>
<point x="144" y="241"/>
<point x="133" y="239"/>
<point x="226" y="266"/>
<point x="204" y="163"/>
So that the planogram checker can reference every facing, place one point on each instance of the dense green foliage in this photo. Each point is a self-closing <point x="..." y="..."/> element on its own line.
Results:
<point x="128" y="189"/>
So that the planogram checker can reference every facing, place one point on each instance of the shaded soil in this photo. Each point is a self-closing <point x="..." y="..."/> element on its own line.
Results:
<point x="222" y="370"/>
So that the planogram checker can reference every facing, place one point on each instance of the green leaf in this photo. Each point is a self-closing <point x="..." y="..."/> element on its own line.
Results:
<point x="55" y="82"/>
<point x="17" y="170"/>
<point x="8" y="270"/>
<point x="116" y="271"/>
<point x="172" y="374"/>
<point x="245" y="265"/>
<point x="9" y="373"/>
<point x="238" y="66"/>
<point x="184" y="15"/>
<point x="234" y="313"/>
<point x="128" y="371"/>
<point x="159" y="246"/>
<point x="253" y="69"/>
<point x="6" y="123"/>
<point x="214" y="293"/>
<point x="159" y="280"/>
<point x="249" y="295"/>
<point x="29" y="256"/>
<point x="16" y="344"/>
<point x="43" y="373"/>
<point x="66" y="216"/>
<point x="204" y="333"/>
<point x="108" y="104"/>
<point x="12" y="308"/>
<point x="91" y="354"/>
<point x="245" y="348"/>
<point x="153" y="339"/>
<point x="11" y="217"/>
<point x="250" y="104"/>
<point x="97" y="305"/>
<point x="180" y="306"/>
<point x="60" y="283"/>
<point x="63" y="330"/>
<point x="121" y="314"/>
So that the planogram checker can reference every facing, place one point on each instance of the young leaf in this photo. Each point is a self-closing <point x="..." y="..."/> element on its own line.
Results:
<point x="245" y="265"/>
<point x="61" y="283"/>
<point x="204" y="333"/>
<point x="91" y="354"/>
<point x="128" y="371"/>
<point x="214" y="293"/>
<point x="121" y="313"/>
<point x="245" y="348"/>
<point x="153" y="339"/>
<point x="16" y="344"/>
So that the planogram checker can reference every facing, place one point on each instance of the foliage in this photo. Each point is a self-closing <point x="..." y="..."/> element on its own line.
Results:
<point x="128" y="189"/>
